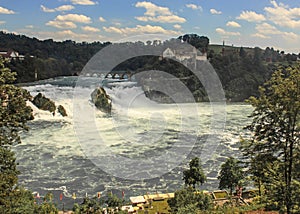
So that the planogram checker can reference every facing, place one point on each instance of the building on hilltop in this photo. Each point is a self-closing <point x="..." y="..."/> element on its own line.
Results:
<point x="184" y="53"/>
<point x="11" y="55"/>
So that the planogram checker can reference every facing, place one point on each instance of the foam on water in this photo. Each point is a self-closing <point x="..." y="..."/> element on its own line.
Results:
<point x="52" y="159"/>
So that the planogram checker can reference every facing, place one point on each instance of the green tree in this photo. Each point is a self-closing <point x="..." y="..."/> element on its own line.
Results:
<point x="276" y="132"/>
<point x="230" y="175"/>
<point x="194" y="175"/>
<point x="13" y="117"/>
<point x="47" y="207"/>
<point x="186" y="200"/>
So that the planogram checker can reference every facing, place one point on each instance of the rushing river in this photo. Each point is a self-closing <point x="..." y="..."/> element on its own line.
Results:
<point x="53" y="157"/>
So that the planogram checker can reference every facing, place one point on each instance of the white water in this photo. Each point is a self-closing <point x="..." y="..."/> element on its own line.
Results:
<point x="53" y="158"/>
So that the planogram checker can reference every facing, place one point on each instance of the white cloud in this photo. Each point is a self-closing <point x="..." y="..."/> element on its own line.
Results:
<point x="74" y="18"/>
<point x="233" y="24"/>
<point x="227" y="33"/>
<point x="65" y="8"/>
<point x="152" y="9"/>
<point x="282" y="15"/>
<point x="268" y="30"/>
<point x="251" y="16"/>
<point x="67" y="34"/>
<point x="162" y="19"/>
<point x="113" y="30"/>
<point x="60" y="8"/>
<point x="215" y="12"/>
<point x="47" y="10"/>
<point x="2" y="22"/>
<point x="177" y="26"/>
<point x="83" y="2"/>
<point x="101" y="19"/>
<point x="90" y="29"/>
<point x="68" y="21"/>
<point x="194" y="7"/>
<point x="262" y="36"/>
<point x="156" y="13"/>
<point x="6" y="11"/>
<point x="139" y="29"/>
<point x="62" y="25"/>
<point x="29" y="26"/>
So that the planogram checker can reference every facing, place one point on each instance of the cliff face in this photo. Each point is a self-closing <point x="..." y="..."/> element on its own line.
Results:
<point x="101" y="100"/>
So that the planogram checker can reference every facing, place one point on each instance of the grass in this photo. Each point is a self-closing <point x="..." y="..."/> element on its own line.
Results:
<point x="157" y="206"/>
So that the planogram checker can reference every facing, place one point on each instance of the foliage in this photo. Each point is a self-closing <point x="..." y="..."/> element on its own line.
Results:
<point x="47" y="207"/>
<point x="194" y="175"/>
<point x="48" y="58"/>
<point x="275" y="129"/>
<point x="13" y="117"/>
<point x="199" y="42"/>
<point x="230" y="175"/>
<point x="187" y="199"/>
<point x="95" y="205"/>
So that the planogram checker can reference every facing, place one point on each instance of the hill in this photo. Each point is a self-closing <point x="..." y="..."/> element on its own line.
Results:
<point x="241" y="70"/>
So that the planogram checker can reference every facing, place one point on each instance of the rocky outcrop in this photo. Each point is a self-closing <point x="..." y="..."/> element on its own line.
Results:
<point x="44" y="103"/>
<point x="62" y="111"/>
<point x="101" y="100"/>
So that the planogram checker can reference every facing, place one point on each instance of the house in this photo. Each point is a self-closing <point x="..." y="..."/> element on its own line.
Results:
<point x="11" y="55"/>
<point x="184" y="53"/>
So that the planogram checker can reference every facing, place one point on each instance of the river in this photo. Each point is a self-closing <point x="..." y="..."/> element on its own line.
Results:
<point x="58" y="153"/>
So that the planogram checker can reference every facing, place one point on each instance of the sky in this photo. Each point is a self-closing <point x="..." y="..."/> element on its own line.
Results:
<point x="247" y="23"/>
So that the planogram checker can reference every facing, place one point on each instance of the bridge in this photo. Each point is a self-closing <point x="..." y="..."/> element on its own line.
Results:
<point x="122" y="75"/>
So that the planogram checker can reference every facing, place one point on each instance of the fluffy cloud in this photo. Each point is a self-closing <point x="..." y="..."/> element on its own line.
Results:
<point x="60" y="8"/>
<point x="68" y="21"/>
<point x="62" y="25"/>
<point x="227" y="33"/>
<point x="194" y="7"/>
<point x="152" y="9"/>
<point x="282" y="15"/>
<point x="251" y="16"/>
<point x="101" y="19"/>
<point x="262" y="36"/>
<point x="83" y="2"/>
<point x="215" y="12"/>
<point x="162" y="19"/>
<point x="268" y="30"/>
<point x="233" y="24"/>
<point x="140" y="29"/>
<point x="90" y="29"/>
<point x="156" y="13"/>
<point x="177" y="26"/>
<point x="6" y="11"/>
<point x="74" y="18"/>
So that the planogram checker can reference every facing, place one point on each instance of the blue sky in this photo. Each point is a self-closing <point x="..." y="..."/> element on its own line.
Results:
<point x="273" y="23"/>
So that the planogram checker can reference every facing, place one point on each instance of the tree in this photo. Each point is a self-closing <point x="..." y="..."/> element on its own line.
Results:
<point x="186" y="200"/>
<point x="194" y="175"/>
<point x="276" y="132"/>
<point x="230" y="175"/>
<point x="199" y="42"/>
<point x="13" y="117"/>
